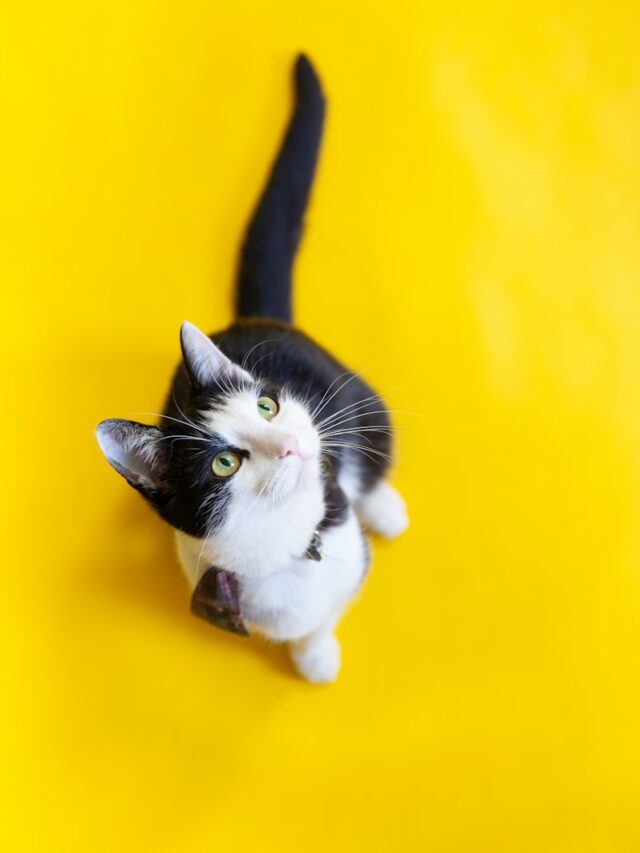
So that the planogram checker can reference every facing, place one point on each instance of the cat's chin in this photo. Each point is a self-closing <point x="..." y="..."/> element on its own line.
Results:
<point x="295" y="476"/>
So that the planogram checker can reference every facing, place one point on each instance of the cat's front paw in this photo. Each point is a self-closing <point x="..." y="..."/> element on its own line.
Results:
<point x="383" y="511"/>
<point x="319" y="661"/>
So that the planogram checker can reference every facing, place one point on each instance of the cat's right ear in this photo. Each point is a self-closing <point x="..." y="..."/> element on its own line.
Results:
<point x="207" y="365"/>
<point x="136" y="452"/>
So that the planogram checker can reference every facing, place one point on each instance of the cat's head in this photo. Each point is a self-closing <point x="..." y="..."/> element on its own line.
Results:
<point x="236" y="446"/>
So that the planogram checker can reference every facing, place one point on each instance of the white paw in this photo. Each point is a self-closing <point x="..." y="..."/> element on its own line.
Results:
<point x="383" y="511"/>
<point x="318" y="661"/>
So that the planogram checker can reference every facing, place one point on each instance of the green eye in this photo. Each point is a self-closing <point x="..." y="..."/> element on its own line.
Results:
<point x="267" y="407"/>
<point x="225" y="464"/>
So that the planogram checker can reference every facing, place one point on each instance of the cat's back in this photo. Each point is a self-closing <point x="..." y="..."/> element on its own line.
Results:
<point x="279" y="353"/>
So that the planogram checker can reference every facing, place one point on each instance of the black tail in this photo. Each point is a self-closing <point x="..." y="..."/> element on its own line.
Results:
<point x="271" y="240"/>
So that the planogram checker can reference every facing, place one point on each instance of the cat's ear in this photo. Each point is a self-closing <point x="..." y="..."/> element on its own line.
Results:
<point x="136" y="453"/>
<point x="205" y="363"/>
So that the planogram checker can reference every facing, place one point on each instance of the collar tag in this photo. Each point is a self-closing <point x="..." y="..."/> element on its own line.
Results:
<point x="313" y="552"/>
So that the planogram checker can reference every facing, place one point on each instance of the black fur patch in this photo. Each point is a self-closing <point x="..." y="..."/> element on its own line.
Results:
<point x="279" y="357"/>
<point x="275" y="229"/>
<point x="336" y="505"/>
<point x="193" y="499"/>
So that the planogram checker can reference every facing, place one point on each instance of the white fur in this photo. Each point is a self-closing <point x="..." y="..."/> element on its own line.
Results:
<point x="317" y="657"/>
<point x="302" y="601"/>
<point x="349" y="478"/>
<point x="383" y="511"/>
<point x="276" y="504"/>
<point x="271" y="508"/>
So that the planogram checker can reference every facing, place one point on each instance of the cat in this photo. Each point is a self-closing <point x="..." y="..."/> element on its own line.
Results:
<point x="271" y="456"/>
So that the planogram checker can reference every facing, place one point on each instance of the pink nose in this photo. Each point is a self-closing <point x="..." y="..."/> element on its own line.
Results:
<point x="288" y="446"/>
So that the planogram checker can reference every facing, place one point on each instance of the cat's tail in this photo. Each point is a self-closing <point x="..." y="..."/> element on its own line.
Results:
<point x="275" y="228"/>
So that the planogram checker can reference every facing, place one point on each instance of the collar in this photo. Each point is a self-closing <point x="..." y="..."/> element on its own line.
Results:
<point x="216" y="597"/>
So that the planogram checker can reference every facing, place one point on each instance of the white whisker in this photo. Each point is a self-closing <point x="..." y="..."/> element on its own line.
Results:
<point x="182" y="438"/>
<point x="358" y="431"/>
<point x="168" y="418"/>
<point x="196" y="426"/>
<point x="367" y="401"/>
<point x="350" y="446"/>
<point x="245" y="360"/>
<point x="337" y="391"/>
<point x="317" y="408"/>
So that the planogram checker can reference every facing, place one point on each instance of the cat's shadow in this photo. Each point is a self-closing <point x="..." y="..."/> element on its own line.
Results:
<point x="137" y="564"/>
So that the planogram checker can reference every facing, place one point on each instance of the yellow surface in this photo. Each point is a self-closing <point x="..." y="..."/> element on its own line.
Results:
<point x="473" y="244"/>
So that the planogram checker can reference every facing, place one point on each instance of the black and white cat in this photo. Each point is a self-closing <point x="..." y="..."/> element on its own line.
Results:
<point x="270" y="453"/>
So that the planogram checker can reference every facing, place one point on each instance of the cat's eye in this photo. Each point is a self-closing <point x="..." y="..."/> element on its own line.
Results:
<point x="267" y="407"/>
<point x="225" y="464"/>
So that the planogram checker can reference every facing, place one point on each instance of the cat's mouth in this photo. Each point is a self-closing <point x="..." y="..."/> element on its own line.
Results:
<point x="290" y="469"/>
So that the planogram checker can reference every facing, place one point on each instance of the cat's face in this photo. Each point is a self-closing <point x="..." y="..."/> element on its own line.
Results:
<point x="239" y="447"/>
<point x="272" y="446"/>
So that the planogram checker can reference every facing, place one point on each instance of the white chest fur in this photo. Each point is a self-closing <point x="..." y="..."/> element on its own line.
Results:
<point x="256" y="538"/>
<point x="307" y="595"/>
<point x="303" y="595"/>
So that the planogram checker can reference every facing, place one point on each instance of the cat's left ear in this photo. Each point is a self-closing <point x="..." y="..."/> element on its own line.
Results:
<point x="205" y="363"/>
<point x="136" y="453"/>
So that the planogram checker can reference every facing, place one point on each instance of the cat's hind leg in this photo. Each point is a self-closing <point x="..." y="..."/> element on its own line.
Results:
<point x="317" y="656"/>
<point x="383" y="511"/>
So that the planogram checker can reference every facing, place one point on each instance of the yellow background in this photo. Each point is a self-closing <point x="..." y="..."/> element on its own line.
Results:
<point x="473" y="245"/>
